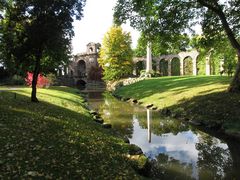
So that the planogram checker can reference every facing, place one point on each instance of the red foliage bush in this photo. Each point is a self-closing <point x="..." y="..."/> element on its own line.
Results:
<point x="42" y="81"/>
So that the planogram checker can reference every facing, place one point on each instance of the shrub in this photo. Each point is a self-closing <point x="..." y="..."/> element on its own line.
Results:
<point x="51" y="78"/>
<point x="42" y="80"/>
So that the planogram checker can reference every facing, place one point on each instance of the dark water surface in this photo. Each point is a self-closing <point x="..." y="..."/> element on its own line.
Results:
<point x="177" y="150"/>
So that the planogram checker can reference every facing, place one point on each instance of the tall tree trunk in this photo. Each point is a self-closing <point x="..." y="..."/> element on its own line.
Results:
<point x="35" y="78"/>
<point x="235" y="84"/>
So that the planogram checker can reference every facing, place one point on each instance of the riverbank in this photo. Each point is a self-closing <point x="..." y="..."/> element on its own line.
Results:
<point x="57" y="138"/>
<point x="201" y="100"/>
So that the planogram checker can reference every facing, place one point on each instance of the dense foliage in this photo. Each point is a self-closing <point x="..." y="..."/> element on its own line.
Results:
<point x="217" y="49"/>
<point x="36" y="35"/>
<point x="116" y="54"/>
<point x="168" y="19"/>
<point x="162" y="46"/>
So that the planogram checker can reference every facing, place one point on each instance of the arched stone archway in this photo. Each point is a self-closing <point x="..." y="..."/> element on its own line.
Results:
<point x="155" y="65"/>
<point x="71" y="73"/>
<point x="139" y="66"/>
<point x="164" y="63"/>
<point x="193" y="55"/>
<point x="163" y="67"/>
<point x="81" y="68"/>
<point x="188" y="66"/>
<point x="81" y="84"/>
<point x="175" y="67"/>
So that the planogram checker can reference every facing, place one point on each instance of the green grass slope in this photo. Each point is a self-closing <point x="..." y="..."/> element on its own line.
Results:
<point x="200" y="98"/>
<point x="56" y="139"/>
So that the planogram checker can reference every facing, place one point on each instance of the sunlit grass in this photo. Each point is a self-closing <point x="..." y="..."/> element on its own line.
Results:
<point x="199" y="98"/>
<point x="56" y="138"/>
<point x="167" y="91"/>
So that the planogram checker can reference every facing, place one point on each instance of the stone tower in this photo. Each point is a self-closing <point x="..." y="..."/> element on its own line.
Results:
<point x="93" y="48"/>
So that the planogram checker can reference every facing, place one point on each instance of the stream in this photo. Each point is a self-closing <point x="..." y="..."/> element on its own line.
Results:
<point x="176" y="150"/>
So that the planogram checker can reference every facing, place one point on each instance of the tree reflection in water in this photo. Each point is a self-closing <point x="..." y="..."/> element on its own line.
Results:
<point x="165" y="167"/>
<point x="176" y="150"/>
<point x="214" y="159"/>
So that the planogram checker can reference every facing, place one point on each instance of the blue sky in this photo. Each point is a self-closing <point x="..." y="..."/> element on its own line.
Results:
<point x="98" y="17"/>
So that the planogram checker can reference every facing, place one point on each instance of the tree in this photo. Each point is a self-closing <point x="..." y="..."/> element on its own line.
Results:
<point x="36" y="35"/>
<point x="116" y="54"/>
<point x="172" y="17"/>
<point x="162" y="45"/>
<point x="217" y="48"/>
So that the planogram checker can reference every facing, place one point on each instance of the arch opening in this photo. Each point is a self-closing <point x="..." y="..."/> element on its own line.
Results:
<point x="81" y="84"/>
<point x="81" y="68"/>
<point x="188" y="66"/>
<point x="175" y="67"/>
<point x="163" y="67"/>
<point x="71" y="73"/>
<point x="154" y="65"/>
<point x="139" y="67"/>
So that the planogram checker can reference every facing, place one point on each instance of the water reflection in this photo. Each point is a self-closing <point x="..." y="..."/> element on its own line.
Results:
<point x="177" y="151"/>
<point x="149" y="119"/>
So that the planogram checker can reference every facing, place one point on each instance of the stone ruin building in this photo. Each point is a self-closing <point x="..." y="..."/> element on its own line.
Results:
<point x="77" y="72"/>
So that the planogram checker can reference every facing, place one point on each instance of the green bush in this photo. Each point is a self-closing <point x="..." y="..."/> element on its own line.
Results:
<point x="14" y="80"/>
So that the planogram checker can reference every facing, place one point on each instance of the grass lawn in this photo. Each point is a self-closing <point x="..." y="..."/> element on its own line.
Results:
<point x="56" y="139"/>
<point x="200" y="98"/>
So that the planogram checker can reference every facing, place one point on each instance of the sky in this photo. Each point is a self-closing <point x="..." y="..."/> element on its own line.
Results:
<point x="97" y="20"/>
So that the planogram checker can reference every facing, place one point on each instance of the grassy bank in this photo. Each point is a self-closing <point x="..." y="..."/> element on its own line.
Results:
<point x="56" y="139"/>
<point x="202" y="99"/>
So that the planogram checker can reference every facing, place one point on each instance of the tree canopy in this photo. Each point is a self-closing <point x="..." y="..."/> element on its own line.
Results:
<point x="36" y="35"/>
<point x="162" y="46"/>
<point x="116" y="54"/>
<point x="169" y="18"/>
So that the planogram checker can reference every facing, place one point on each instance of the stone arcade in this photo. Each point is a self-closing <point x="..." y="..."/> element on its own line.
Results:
<point x="169" y="58"/>
<point x="77" y="72"/>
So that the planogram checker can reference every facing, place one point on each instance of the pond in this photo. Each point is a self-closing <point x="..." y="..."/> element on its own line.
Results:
<point x="175" y="149"/>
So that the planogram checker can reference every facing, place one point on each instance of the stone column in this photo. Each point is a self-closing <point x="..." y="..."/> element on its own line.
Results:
<point x="169" y="67"/>
<point x="60" y="71"/>
<point x="194" y="66"/>
<point x="65" y="70"/>
<point x="208" y="66"/>
<point x="149" y="58"/>
<point x="157" y="66"/>
<point x="181" y="67"/>
<point x="134" y="70"/>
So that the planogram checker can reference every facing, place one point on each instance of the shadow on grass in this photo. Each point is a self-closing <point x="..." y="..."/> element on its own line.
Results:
<point x="216" y="108"/>
<point x="178" y="84"/>
<point x="42" y="140"/>
<point x="78" y="102"/>
<point x="222" y="107"/>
